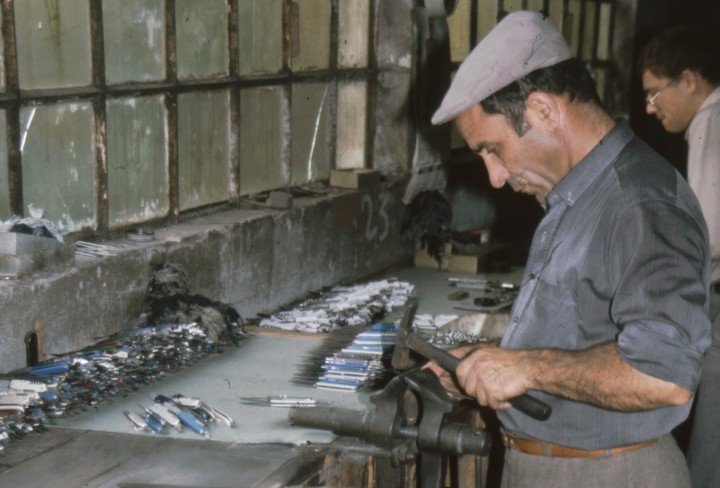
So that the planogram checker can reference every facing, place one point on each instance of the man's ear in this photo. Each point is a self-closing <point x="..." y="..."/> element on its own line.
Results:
<point x="542" y="108"/>
<point x="690" y="77"/>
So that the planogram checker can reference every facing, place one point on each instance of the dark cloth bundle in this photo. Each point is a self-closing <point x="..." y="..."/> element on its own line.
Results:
<point x="168" y="300"/>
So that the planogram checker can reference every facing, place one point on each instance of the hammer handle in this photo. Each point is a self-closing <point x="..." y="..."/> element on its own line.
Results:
<point x="525" y="403"/>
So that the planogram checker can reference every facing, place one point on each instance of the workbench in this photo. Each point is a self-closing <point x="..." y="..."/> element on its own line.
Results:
<point x="100" y="448"/>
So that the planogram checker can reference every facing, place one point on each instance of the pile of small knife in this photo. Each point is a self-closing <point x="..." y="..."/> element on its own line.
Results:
<point x="31" y="398"/>
<point x="177" y="412"/>
<point x="342" y="306"/>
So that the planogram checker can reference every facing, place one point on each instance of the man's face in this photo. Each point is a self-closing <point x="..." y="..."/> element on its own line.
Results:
<point x="519" y="161"/>
<point x="669" y="100"/>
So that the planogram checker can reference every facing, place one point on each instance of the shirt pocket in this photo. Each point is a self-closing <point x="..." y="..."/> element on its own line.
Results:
<point x="553" y="317"/>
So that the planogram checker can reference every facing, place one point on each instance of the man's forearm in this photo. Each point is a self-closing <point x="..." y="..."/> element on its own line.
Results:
<point x="601" y="377"/>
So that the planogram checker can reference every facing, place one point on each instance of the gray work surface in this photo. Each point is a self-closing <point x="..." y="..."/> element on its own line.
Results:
<point x="99" y="447"/>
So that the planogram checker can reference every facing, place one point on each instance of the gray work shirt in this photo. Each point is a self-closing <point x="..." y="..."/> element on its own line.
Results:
<point x="621" y="255"/>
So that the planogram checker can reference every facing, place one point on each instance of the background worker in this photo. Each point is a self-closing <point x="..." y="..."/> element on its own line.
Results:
<point x="681" y="78"/>
<point x="610" y="323"/>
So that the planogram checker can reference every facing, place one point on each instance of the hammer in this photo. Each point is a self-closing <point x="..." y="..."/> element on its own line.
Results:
<point x="407" y="341"/>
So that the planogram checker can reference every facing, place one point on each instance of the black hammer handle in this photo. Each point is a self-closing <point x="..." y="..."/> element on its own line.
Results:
<point x="525" y="403"/>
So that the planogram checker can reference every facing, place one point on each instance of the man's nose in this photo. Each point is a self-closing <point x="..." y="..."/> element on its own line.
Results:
<point x="497" y="172"/>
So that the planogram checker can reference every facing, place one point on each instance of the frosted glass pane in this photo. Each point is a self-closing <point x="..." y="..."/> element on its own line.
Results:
<point x="262" y="151"/>
<point x="202" y="38"/>
<point x="351" y="124"/>
<point x="137" y="159"/>
<point x="53" y="43"/>
<point x="313" y="49"/>
<point x="57" y="147"/>
<point x="260" y="36"/>
<point x="3" y="85"/>
<point x="353" y="33"/>
<point x="310" y="132"/>
<point x="134" y="33"/>
<point x="203" y="148"/>
<point x="4" y="188"/>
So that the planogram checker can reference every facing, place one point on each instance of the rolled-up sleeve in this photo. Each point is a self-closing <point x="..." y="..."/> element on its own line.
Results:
<point x="661" y="301"/>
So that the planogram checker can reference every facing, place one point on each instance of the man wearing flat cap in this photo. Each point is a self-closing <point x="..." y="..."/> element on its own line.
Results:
<point x="611" y="320"/>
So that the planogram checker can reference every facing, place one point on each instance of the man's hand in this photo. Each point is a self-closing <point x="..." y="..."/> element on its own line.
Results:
<point x="493" y="376"/>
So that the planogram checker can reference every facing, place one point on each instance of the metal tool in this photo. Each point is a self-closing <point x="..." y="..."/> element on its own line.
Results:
<point x="407" y="341"/>
<point x="411" y="418"/>
<point x="283" y="401"/>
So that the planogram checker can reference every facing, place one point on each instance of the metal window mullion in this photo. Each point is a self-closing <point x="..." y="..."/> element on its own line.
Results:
<point x="234" y="89"/>
<point x="97" y="43"/>
<point x="171" y="107"/>
<point x="333" y="106"/>
<point x="371" y="89"/>
<point x="12" y="110"/>
<point x="101" y="165"/>
<point x="14" y="161"/>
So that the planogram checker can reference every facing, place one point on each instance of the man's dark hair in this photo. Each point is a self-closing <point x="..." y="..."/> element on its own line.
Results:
<point x="680" y="48"/>
<point x="569" y="77"/>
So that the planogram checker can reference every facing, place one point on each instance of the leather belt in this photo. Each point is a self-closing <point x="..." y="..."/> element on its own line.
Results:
<point x="548" y="449"/>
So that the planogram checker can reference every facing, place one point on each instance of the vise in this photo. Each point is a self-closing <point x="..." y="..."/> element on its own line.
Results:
<point x="411" y="419"/>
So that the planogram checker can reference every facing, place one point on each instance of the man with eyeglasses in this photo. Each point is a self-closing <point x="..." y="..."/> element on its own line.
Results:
<point x="681" y="76"/>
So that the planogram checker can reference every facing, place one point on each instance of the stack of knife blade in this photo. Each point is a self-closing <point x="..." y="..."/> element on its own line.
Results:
<point x="361" y="363"/>
<point x="32" y="397"/>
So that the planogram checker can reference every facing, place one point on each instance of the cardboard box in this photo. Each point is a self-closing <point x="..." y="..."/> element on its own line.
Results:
<point x="424" y="260"/>
<point x="354" y="178"/>
<point x="458" y="263"/>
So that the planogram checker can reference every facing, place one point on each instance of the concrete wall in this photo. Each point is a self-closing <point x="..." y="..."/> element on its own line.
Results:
<point x="256" y="260"/>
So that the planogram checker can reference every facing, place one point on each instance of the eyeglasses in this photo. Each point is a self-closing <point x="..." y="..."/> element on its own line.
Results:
<point x="650" y="99"/>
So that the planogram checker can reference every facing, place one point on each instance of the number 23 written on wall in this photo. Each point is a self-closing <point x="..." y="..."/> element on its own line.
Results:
<point x="375" y="219"/>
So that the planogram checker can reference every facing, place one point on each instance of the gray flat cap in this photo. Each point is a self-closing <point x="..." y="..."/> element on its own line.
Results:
<point x="519" y="44"/>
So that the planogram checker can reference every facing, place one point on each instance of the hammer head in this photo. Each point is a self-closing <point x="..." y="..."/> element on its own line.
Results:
<point x="401" y="352"/>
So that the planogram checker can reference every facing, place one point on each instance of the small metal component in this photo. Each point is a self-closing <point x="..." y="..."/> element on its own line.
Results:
<point x="183" y="401"/>
<point x="95" y="250"/>
<point x="137" y="421"/>
<point x="164" y="414"/>
<point x="281" y="401"/>
<point x="155" y="425"/>
<point x="189" y="420"/>
<point x="458" y="295"/>
<point x="228" y="420"/>
<point x="23" y="384"/>
<point x="140" y="234"/>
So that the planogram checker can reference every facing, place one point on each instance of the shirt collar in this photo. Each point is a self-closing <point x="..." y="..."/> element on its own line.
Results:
<point x="581" y="177"/>
<point x="711" y="99"/>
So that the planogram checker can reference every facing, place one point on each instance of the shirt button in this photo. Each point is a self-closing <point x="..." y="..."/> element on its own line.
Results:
<point x="515" y="319"/>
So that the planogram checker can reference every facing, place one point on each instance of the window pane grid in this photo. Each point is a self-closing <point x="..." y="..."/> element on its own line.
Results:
<point x="176" y="105"/>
